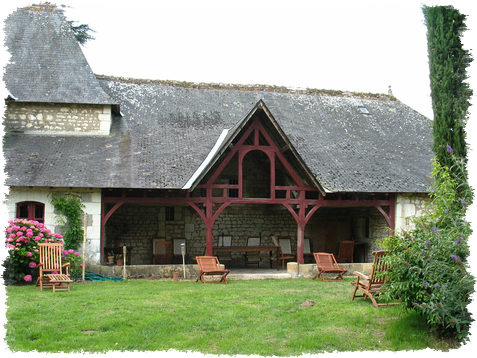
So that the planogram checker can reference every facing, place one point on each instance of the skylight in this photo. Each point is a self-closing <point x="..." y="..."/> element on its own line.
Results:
<point x="364" y="110"/>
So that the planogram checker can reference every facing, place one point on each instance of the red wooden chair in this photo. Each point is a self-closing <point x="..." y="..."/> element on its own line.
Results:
<point x="326" y="263"/>
<point x="210" y="265"/>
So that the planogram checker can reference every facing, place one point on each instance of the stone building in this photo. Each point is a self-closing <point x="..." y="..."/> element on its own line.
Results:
<point x="162" y="159"/>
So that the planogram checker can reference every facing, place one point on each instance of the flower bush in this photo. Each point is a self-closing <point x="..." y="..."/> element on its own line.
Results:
<point x="21" y="239"/>
<point x="429" y="263"/>
<point x="74" y="259"/>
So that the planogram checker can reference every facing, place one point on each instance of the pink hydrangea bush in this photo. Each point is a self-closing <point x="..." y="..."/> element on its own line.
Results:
<point x="74" y="259"/>
<point x="21" y="240"/>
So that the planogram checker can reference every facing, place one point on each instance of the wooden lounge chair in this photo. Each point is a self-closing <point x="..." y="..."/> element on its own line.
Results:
<point x="210" y="265"/>
<point x="282" y="255"/>
<point x="326" y="263"/>
<point x="372" y="285"/>
<point x="51" y="269"/>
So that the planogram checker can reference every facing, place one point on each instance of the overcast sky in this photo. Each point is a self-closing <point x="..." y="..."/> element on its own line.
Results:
<point x="316" y="44"/>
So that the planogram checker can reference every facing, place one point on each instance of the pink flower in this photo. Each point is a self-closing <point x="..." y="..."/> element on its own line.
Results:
<point x="19" y="233"/>
<point x="71" y="251"/>
<point x="29" y="254"/>
<point x="27" y="278"/>
<point x="32" y="264"/>
<point x="77" y="253"/>
<point x="37" y="238"/>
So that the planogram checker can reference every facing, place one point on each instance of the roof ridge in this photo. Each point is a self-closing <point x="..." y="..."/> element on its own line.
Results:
<point x="250" y="87"/>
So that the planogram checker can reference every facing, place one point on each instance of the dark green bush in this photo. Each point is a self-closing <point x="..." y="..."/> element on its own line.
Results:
<point x="429" y="263"/>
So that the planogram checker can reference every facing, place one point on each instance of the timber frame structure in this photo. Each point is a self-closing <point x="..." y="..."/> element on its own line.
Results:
<point x="301" y="200"/>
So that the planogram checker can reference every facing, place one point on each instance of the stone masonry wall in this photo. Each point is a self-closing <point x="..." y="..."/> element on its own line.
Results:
<point x="49" y="117"/>
<point x="409" y="206"/>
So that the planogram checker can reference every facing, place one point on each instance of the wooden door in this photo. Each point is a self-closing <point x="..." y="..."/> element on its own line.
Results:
<point x="328" y="234"/>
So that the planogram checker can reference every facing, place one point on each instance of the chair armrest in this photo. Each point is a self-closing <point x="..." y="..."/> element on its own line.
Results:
<point x="362" y="275"/>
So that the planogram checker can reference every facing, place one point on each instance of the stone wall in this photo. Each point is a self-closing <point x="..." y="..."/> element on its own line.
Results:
<point x="57" y="118"/>
<point x="408" y="207"/>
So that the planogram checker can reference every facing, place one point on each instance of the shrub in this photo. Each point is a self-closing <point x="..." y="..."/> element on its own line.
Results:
<point x="429" y="263"/>
<point x="74" y="259"/>
<point x="21" y="239"/>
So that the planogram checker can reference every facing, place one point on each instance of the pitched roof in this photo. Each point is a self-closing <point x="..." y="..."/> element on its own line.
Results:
<point x="167" y="131"/>
<point x="47" y="63"/>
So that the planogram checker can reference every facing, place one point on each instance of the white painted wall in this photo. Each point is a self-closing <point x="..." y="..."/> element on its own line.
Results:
<point x="91" y="199"/>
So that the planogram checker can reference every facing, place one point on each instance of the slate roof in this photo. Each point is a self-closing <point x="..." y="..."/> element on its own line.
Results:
<point x="168" y="129"/>
<point x="47" y="63"/>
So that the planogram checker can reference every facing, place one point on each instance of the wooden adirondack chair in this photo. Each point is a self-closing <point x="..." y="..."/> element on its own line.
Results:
<point x="326" y="263"/>
<point x="210" y="265"/>
<point x="282" y="256"/>
<point x="372" y="285"/>
<point x="51" y="270"/>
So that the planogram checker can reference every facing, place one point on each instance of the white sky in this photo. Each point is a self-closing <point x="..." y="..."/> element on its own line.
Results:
<point x="316" y="44"/>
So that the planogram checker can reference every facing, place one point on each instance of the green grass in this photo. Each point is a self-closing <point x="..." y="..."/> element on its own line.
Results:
<point x="263" y="317"/>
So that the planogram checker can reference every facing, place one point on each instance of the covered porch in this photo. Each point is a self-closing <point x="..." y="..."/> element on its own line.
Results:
<point x="253" y="183"/>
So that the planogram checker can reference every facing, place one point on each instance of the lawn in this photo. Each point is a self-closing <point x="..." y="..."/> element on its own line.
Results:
<point x="281" y="317"/>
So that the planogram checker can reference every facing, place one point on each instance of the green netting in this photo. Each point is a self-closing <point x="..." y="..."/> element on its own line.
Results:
<point x="93" y="276"/>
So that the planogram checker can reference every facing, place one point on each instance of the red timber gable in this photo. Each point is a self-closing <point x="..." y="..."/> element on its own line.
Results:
<point x="277" y="177"/>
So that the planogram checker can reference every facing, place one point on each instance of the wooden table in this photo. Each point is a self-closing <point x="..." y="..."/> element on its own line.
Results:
<point x="270" y="249"/>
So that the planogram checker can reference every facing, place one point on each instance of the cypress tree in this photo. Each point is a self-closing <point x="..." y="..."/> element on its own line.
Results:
<point x="448" y="63"/>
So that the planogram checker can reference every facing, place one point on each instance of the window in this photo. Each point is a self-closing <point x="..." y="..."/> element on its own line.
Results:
<point x="233" y="193"/>
<point x="169" y="213"/>
<point x="31" y="210"/>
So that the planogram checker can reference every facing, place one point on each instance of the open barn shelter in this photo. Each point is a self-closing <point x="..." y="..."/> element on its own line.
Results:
<point x="162" y="160"/>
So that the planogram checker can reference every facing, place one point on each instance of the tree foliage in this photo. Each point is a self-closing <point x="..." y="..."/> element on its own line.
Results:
<point x="448" y="62"/>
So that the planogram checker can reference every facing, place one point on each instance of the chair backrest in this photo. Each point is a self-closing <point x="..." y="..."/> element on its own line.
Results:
<point x="50" y="256"/>
<point x="307" y="247"/>
<point x="176" y="246"/>
<point x="325" y="261"/>
<point x="162" y="247"/>
<point x="378" y="267"/>
<point x="346" y="251"/>
<point x="285" y="245"/>
<point x="208" y="263"/>
<point x="253" y="241"/>
<point x="275" y="240"/>
<point x="225" y="240"/>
